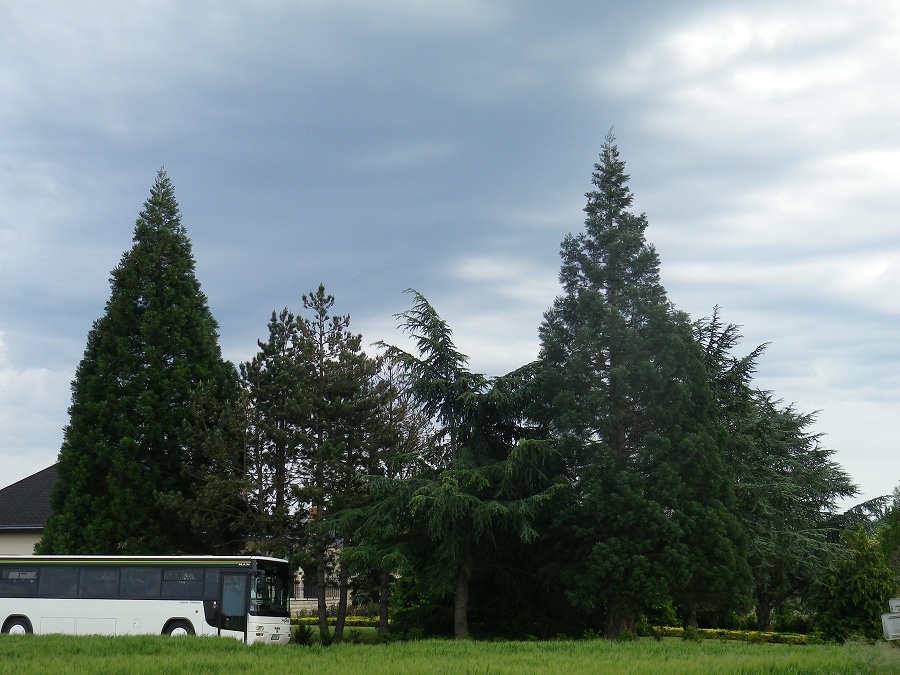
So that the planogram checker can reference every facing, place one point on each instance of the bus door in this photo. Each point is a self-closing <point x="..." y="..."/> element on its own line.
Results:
<point x="233" y="603"/>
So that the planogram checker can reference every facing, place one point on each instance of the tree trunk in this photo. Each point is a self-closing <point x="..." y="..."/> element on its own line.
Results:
<point x="343" y="579"/>
<point x="617" y="621"/>
<point x="280" y="510"/>
<point x="690" y="615"/>
<point x="763" y="612"/>
<point x="383" y="595"/>
<point x="461" y="605"/>
<point x="323" y="605"/>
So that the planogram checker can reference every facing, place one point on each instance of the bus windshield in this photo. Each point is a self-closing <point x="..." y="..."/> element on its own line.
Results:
<point x="269" y="590"/>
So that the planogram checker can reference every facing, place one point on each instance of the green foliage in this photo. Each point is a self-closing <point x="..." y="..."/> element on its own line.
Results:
<point x="627" y="636"/>
<point x="302" y="634"/>
<point x="786" y="484"/>
<point x="888" y="535"/>
<point x="692" y="634"/>
<point x="790" y="619"/>
<point x="853" y="593"/>
<point x="314" y="429"/>
<point x="357" y="621"/>
<point x="217" y="511"/>
<point x="130" y="454"/>
<point x="626" y="393"/>
<point x="276" y="393"/>
<point x="485" y="480"/>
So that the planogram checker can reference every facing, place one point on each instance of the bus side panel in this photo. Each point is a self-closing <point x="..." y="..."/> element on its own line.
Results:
<point x="105" y="617"/>
<point x="56" y="624"/>
<point x="91" y="625"/>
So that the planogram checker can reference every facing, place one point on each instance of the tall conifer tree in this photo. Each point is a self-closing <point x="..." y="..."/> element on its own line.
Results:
<point x="312" y="398"/>
<point x="276" y="385"/>
<point x="131" y="435"/>
<point x="488" y="479"/>
<point x="629" y="401"/>
<point x="343" y="403"/>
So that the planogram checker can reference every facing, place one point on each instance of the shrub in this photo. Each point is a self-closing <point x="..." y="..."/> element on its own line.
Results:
<point x="302" y="635"/>
<point x="852" y="595"/>
<point x="350" y="621"/>
<point x="642" y="626"/>
<point x="353" y="636"/>
<point x="691" y="634"/>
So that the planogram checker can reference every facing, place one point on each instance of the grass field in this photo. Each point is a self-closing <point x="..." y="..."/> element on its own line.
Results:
<point x="26" y="654"/>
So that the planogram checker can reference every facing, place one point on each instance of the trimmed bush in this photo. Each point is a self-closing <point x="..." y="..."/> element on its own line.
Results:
<point x="737" y="635"/>
<point x="350" y="621"/>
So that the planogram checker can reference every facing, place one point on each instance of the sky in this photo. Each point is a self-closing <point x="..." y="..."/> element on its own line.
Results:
<point x="447" y="147"/>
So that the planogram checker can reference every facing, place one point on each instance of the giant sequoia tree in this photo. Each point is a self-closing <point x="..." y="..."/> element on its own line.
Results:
<point x="628" y="399"/>
<point x="131" y="438"/>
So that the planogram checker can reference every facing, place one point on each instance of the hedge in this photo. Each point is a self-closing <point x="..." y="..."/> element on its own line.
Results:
<point x="740" y="635"/>
<point x="353" y="621"/>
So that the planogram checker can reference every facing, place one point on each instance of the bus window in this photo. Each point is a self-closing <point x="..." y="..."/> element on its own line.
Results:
<point x="98" y="582"/>
<point x="183" y="583"/>
<point x="140" y="582"/>
<point x="18" y="582"/>
<point x="58" y="582"/>
<point x="211" y="584"/>
<point x="268" y="593"/>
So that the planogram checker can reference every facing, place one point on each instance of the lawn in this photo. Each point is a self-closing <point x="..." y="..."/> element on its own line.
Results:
<point x="27" y="654"/>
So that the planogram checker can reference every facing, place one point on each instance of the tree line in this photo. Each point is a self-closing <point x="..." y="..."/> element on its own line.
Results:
<point x="632" y="474"/>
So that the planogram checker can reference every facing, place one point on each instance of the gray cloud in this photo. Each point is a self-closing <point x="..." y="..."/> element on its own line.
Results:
<point x="447" y="147"/>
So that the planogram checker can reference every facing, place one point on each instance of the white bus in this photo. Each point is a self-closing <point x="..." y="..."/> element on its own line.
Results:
<point x="246" y="597"/>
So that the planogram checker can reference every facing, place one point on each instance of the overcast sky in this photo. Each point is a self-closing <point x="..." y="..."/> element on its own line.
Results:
<point x="447" y="146"/>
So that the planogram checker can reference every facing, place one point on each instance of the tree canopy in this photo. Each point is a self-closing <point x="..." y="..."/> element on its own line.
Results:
<point x="629" y="401"/>
<point x="136" y="391"/>
<point x="633" y="472"/>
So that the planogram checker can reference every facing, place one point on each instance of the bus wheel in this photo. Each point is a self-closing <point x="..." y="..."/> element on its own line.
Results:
<point x="176" y="628"/>
<point x="17" y="626"/>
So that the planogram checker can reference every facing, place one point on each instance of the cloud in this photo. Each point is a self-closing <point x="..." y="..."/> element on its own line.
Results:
<point x="447" y="146"/>
<point x="407" y="156"/>
<point x="783" y="75"/>
<point x="32" y="405"/>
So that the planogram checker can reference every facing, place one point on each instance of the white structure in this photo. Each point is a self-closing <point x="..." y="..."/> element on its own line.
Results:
<point x="24" y="508"/>
<point x="890" y="623"/>
<point x="245" y="597"/>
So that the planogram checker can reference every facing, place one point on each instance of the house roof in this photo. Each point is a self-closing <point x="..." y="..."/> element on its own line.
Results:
<point x="26" y="504"/>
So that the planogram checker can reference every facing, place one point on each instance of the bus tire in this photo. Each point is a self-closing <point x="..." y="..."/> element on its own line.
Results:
<point x="17" y="625"/>
<point x="178" y="627"/>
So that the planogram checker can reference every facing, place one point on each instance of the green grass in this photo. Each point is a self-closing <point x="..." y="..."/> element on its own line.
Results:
<point x="28" y="654"/>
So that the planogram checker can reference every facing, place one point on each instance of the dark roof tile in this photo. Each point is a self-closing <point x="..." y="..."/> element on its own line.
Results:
<point x="27" y="503"/>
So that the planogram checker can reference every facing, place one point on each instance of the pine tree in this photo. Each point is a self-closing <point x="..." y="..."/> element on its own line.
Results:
<point x="276" y="384"/>
<point x="629" y="402"/>
<point x="129" y="438"/>
<point x="338" y="448"/>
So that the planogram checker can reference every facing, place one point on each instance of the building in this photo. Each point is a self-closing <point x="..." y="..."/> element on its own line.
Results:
<point x="24" y="508"/>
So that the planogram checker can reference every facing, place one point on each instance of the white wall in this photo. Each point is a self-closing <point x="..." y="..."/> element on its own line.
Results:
<point x="17" y="543"/>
